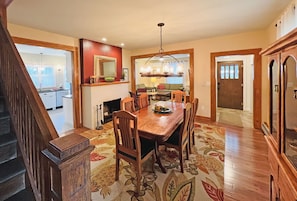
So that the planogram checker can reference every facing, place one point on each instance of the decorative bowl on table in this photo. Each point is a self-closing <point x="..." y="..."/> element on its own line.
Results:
<point x="161" y="109"/>
<point x="109" y="79"/>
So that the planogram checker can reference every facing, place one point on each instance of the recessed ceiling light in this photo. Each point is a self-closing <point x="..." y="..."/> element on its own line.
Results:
<point x="104" y="39"/>
<point x="122" y="44"/>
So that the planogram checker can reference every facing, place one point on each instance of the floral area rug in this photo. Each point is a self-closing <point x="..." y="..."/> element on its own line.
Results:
<point x="203" y="177"/>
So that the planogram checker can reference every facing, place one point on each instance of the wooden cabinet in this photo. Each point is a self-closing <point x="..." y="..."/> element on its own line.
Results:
<point x="48" y="99"/>
<point x="281" y="130"/>
<point x="59" y="97"/>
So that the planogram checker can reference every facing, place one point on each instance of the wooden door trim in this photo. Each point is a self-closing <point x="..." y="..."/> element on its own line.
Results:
<point x="76" y="97"/>
<point x="191" y="65"/>
<point x="257" y="88"/>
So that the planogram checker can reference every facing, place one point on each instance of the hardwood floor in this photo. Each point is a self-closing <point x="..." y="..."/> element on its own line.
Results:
<point x="246" y="167"/>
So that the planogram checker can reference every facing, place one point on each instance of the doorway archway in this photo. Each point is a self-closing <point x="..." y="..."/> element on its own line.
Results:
<point x="257" y="90"/>
<point x="75" y="74"/>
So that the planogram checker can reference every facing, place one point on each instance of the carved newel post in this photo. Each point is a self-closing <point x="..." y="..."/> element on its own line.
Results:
<point x="69" y="168"/>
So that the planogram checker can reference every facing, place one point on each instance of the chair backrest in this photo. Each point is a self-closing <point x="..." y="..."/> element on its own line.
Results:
<point x="126" y="134"/>
<point x="135" y="96"/>
<point x="143" y="100"/>
<point x="178" y="96"/>
<point x="127" y="104"/>
<point x="195" y="103"/>
<point x="184" y="129"/>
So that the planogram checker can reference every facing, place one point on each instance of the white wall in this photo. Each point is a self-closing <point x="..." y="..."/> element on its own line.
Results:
<point x="96" y="95"/>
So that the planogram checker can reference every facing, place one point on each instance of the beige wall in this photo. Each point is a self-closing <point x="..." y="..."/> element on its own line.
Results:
<point x="202" y="49"/>
<point x="34" y="34"/>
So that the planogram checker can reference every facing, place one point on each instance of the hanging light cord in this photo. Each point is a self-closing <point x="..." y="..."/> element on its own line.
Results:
<point x="161" y="42"/>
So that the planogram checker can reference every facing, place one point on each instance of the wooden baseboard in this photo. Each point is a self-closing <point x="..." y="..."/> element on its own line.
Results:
<point x="202" y="118"/>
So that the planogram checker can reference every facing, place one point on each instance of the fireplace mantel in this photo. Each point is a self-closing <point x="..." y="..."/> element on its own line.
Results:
<point x="97" y="93"/>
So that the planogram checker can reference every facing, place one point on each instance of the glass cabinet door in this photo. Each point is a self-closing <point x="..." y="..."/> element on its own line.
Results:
<point x="290" y="110"/>
<point x="274" y="99"/>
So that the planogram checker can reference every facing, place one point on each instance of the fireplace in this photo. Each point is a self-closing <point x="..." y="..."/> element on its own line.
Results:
<point x="109" y="107"/>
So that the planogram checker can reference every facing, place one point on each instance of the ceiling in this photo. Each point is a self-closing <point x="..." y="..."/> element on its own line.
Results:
<point x="134" y="22"/>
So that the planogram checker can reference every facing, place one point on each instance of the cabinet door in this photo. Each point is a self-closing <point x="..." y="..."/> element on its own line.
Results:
<point x="48" y="99"/>
<point x="274" y="74"/>
<point x="59" y="97"/>
<point x="289" y="147"/>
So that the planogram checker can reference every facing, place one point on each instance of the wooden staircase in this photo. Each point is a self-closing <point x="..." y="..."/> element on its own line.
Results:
<point x="13" y="185"/>
<point x="35" y="163"/>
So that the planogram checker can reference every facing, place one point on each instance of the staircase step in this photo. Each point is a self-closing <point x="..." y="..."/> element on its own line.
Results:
<point x="8" y="147"/>
<point x="12" y="178"/>
<point x="24" y="195"/>
<point x="2" y="104"/>
<point x="4" y="123"/>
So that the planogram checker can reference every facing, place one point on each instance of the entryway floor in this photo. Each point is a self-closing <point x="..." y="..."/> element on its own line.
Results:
<point x="235" y="117"/>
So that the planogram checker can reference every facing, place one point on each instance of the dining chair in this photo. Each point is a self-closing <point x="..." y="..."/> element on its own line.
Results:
<point x="195" y="103"/>
<point x="143" y="100"/>
<point x="129" y="146"/>
<point x="179" y="140"/>
<point x="127" y="104"/>
<point x="178" y="96"/>
<point x="135" y="97"/>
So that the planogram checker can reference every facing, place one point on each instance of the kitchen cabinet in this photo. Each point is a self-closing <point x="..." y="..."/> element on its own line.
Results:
<point x="281" y="130"/>
<point x="59" y="97"/>
<point x="48" y="99"/>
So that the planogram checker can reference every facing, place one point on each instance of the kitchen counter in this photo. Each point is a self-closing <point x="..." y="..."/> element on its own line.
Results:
<point x="52" y="98"/>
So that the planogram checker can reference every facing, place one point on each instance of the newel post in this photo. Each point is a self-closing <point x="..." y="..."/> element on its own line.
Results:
<point x="69" y="172"/>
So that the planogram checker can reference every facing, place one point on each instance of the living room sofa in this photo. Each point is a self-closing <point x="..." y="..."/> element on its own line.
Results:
<point x="142" y="88"/>
<point x="165" y="87"/>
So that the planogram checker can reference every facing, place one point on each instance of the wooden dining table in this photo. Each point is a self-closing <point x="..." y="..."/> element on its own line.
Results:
<point x="159" y="126"/>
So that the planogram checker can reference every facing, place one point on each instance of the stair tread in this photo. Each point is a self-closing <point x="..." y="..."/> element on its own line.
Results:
<point x="24" y="195"/>
<point x="4" y="115"/>
<point x="11" y="169"/>
<point x="7" y="139"/>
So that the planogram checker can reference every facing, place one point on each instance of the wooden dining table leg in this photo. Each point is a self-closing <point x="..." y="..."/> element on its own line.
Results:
<point x="158" y="158"/>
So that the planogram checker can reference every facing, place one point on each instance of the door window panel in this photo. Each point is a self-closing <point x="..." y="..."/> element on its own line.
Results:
<point x="227" y="72"/>
<point x="222" y="72"/>
<point x="231" y="72"/>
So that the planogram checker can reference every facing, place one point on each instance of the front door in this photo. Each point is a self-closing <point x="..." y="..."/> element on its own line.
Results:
<point x="230" y="84"/>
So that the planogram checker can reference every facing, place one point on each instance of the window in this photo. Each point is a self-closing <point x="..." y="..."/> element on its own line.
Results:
<point x="42" y="76"/>
<point x="230" y="72"/>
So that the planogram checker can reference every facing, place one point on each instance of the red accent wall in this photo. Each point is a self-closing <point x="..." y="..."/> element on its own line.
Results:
<point x="90" y="48"/>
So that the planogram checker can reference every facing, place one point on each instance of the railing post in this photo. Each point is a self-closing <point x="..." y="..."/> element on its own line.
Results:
<point x="68" y="159"/>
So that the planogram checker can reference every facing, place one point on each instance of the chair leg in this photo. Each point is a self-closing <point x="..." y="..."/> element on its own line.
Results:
<point x="117" y="169"/>
<point x="181" y="161"/>
<point x="190" y="142"/>
<point x="138" y="175"/>
<point x="187" y="150"/>
<point x="153" y="163"/>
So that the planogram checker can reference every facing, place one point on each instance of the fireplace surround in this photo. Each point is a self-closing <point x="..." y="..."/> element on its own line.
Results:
<point x="97" y="93"/>
<point x="109" y="107"/>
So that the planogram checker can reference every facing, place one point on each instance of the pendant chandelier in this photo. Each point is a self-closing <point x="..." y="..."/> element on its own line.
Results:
<point x="162" y="63"/>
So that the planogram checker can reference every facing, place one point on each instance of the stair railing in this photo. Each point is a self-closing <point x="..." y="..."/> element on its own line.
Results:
<point x="49" y="160"/>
